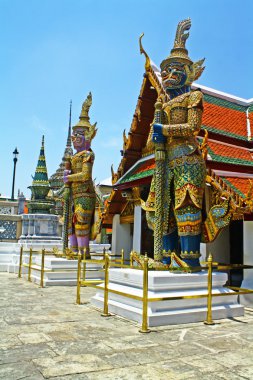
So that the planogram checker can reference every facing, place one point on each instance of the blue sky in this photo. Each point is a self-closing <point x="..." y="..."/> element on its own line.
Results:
<point x="56" y="50"/>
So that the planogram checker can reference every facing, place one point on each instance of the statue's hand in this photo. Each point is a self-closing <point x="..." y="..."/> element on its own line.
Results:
<point x="158" y="134"/>
<point x="65" y="175"/>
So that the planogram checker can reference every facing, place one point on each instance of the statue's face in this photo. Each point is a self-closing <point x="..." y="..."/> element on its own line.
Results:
<point x="174" y="75"/>
<point x="78" y="139"/>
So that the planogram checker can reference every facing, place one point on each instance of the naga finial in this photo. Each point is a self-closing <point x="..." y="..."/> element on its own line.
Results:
<point x="142" y="51"/>
<point x="125" y="139"/>
<point x="114" y="176"/>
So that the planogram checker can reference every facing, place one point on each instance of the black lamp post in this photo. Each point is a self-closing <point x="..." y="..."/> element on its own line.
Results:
<point x="15" y="158"/>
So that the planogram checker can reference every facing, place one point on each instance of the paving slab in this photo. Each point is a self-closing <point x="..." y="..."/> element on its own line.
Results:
<point x="16" y="371"/>
<point x="45" y="335"/>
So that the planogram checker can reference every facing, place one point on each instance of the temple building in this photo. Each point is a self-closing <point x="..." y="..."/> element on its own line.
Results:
<point x="40" y="225"/>
<point x="227" y="143"/>
<point x="39" y="203"/>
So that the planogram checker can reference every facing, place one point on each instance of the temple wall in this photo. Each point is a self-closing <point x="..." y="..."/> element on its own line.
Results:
<point x="10" y="227"/>
<point x="248" y="242"/>
<point x="121" y="237"/>
<point x="220" y="247"/>
<point x="8" y="207"/>
<point x="247" y="299"/>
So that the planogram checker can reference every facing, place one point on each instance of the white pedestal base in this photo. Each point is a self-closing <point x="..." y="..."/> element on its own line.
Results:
<point x="167" y="284"/>
<point x="7" y="250"/>
<point x="60" y="271"/>
<point x="247" y="299"/>
<point x="64" y="271"/>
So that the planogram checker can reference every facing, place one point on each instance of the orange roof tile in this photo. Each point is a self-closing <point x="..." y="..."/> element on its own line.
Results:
<point x="230" y="154"/>
<point x="251" y="123"/>
<point x="241" y="184"/>
<point x="230" y="121"/>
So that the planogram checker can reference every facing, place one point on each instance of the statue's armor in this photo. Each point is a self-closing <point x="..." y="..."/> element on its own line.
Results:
<point x="176" y="113"/>
<point x="82" y="193"/>
<point x="184" y="176"/>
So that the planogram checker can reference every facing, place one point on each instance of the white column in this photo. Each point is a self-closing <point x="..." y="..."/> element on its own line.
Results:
<point x="203" y="252"/>
<point x="25" y="225"/>
<point x="30" y="226"/>
<point x="247" y="299"/>
<point x="121" y="237"/>
<point x="137" y="229"/>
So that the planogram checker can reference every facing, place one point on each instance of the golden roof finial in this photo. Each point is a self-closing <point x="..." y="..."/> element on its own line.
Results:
<point x="142" y="51"/>
<point x="114" y="176"/>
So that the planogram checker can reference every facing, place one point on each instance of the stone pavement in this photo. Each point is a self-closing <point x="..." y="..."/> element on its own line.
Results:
<point x="44" y="335"/>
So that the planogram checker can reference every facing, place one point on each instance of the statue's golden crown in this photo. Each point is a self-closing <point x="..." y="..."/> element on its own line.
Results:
<point x="179" y="53"/>
<point x="84" y="120"/>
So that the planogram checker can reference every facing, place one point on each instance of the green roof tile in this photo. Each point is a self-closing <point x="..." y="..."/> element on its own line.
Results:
<point x="134" y="177"/>
<point x="224" y="103"/>
<point x="222" y="132"/>
<point x="233" y="187"/>
<point x="229" y="160"/>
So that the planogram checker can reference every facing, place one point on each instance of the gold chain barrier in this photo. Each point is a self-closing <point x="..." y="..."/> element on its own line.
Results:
<point x="105" y="312"/>
<point x="30" y="265"/>
<point x="107" y="264"/>
<point x="107" y="261"/>
<point x="20" y="262"/>
<point x="209" y="320"/>
<point x="40" y="267"/>
<point x="78" y="298"/>
<point x="144" y="326"/>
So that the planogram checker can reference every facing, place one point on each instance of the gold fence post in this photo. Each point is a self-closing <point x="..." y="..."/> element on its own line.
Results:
<point x="131" y="259"/>
<point x="78" y="281"/>
<point x="20" y="262"/>
<point x="84" y="264"/>
<point x="30" y="264"/>
<point x="122" y="257"/>
<point x="209" y="320"/>
<point x="42" y="268"/>
<point x="104" y="251"/>
<point x="144" y="327"/>
<point x="105" y="313"/>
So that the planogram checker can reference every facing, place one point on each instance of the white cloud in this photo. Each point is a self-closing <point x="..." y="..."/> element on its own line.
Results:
<point x="36" y="124"/>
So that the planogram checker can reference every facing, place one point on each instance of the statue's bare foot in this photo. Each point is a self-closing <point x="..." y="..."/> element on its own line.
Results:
<point x="152" y="264"/>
